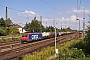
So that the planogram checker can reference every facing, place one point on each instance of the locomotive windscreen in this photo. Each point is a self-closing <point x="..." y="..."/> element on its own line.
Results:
<point x="24" y="35"/>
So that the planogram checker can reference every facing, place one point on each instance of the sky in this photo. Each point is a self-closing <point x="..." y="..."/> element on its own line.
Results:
<point x="62" y="13"/>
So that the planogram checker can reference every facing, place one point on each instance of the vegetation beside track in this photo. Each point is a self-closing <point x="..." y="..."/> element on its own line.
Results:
<point x="9" y="38"/>
<point x="66" y="51"/>
<point x="72" y="50"/>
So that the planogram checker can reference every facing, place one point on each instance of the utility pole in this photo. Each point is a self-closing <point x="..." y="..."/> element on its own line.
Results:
<point x="79" y="26"/>
<point x="89" y="20"/>
<point x="6" y="13"/>
<point x="53" y="23"/>
<point x="83" y="23"/>
<point x="55" y="41"/>
<point x="65" y="25"/>
<point x="6" y="21"/>
<point x="61" y="26"/>
<point x="41" y="23"/>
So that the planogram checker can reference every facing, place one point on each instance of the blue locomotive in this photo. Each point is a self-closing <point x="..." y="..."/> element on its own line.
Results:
<point x="28" y="37"/>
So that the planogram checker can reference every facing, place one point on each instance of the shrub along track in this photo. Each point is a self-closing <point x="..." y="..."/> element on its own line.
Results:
<point x="35" y="46"/>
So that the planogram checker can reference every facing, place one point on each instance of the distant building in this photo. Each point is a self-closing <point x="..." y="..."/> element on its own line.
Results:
<point x="21" y="30"/>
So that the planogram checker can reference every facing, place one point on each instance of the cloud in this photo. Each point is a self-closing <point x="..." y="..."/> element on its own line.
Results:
<point x="58" y="19"/>
<point x="60" y="12"/>
<point x="27" y="13"/>
<point x="69" y="11"/>
<point x="79" y="11"/>
<point x="69" y="22"/>
<point x="67" y="19"/>
<point x="73" y="17"/>
<point x="62" y="19"/>
<point x="47" y="19"/>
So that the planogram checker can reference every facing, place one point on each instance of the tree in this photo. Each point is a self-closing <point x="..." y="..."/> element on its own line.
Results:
<point x="34" y="26"/>
<point x="2" y="22"/>
<point x="13" y="30"/>
<point x="8" y="22"/>
<point x="50" y="29"/>
<point x="87" y="41"/>
<point x="68" y="29"/>
<point x="2" y="31"/>
<point x="26" y="27"/>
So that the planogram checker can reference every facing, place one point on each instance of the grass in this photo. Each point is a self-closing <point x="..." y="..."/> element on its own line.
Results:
<point x="64" y="53"/>
<point x="10" y="38"/>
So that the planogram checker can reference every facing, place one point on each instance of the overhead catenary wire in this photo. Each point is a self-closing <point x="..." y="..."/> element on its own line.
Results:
<point x="12" y="8"/>
<point x="80" y="5"/>
<point x="54" y="11"/>
<point x="40" y="0"/>
<point x="24" y="11"/>
<point x="53" y="23"/>
<point x="50" y="5"/>
<point x="77" y="10"/>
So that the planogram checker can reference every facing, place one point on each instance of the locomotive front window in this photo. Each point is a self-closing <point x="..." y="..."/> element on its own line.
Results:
<point x="24" y="35"/>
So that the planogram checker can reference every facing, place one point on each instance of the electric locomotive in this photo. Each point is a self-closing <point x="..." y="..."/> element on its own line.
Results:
<point x="28" y="37"/>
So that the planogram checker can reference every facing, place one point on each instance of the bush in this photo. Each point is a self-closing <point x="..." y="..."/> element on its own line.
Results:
<point x="2" y="31"/>
<point x="77" y="53"/>
<point x="45" y="53"/>
<point x="78" y="45"/>
<point x="65" y="53"/>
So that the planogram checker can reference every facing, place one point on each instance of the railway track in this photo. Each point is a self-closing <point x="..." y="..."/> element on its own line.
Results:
<point x="7" y="43"/>
<point x="28" y="48"/>
<point x="24" y="48"/>
<point x="6" y="46"/>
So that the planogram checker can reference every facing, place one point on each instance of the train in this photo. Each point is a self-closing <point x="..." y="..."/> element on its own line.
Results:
<point x="29" y="37"/>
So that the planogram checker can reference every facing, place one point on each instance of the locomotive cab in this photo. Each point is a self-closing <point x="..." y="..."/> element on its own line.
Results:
<point x="24" y="37"/>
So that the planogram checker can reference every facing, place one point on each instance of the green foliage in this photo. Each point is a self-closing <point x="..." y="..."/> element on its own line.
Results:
<point x="34" y="26"/>
<point x="4" y="26"/>
<point x="2" y="22"/>
<point x="65" y="53"/>
<point x="66" y="29"/>
<point x="9" y="39"/>
<point x="8" y="22"/>
<point x="40" y="55"/>
<point x="13" y="30"/>
<point x="87" y="42"/>
<point x="2" y="31"/>
<point x="50" y="29"/>
<point x="78" y="45"/>
<point x="84" y="44"/>
<point x="27" y="27"/>
<point x="77" y="53"/>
